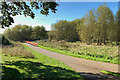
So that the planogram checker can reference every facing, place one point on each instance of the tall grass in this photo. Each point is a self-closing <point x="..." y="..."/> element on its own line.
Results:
<point x="17" y="50"/>
<point x="81" y="50"/>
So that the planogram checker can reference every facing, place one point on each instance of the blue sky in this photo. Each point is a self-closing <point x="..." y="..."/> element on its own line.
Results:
<point x="66" y="11"/>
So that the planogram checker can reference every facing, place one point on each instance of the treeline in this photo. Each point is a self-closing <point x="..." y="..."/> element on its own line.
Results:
<point x="98" y="26"/>
<point x="25" y="32"/>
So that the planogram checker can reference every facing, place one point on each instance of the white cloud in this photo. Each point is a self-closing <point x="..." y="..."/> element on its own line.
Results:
<point x="20" y="19"/>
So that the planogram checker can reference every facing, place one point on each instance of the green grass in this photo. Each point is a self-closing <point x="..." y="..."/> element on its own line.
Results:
<point x="39" y="67"/>
<point x="111" y="73"/>
<point x="97" y="53"/>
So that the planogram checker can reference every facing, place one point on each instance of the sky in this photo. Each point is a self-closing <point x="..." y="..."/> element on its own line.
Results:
<point x="65" y="11"/>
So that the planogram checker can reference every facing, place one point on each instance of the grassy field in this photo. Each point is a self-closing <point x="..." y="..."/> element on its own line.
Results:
<point x="38" y="67"/>
<point x="76" y="49"/>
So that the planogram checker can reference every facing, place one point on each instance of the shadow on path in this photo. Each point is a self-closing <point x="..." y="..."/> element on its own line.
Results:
<point x="99" y="76"/>
<point x="39" y="71"/>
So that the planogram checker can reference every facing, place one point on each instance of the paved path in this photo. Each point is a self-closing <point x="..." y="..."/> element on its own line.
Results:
<point x="87" y="68"/>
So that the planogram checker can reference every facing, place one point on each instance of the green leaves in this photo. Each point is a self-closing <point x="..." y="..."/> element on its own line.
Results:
<point x="9" y="9"/>
<point x="25" y="32"/>
<point x="64" y="30"/>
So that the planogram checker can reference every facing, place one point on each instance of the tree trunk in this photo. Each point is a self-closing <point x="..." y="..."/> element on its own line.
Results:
<point x="104" y="42"/>
<point x="98" y="42"/>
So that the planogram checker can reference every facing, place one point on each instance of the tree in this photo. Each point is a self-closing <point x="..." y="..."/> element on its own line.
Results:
<point x="19" y="33"/>
<point x="75" y="22"/>
<point x="51" y="35"/>
<point x="8" y="34"/>
<point x="14" y="33"/>
<point x="113" y="33"/>
<point x="80" y="28"/>
<point x="90" y="27"/>
<point x="4" y="40"/>
<point x="86" y="28"/>
<point x="38" y="33"/>
<point x="9" y="9"/>
<point x="105" y="21"/>
<point x="118" y="25"/>
<point x="64" y="30"/>
<point x="25" y="32"/>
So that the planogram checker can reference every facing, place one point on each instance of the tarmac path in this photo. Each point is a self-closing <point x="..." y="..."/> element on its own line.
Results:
<point x="89" y="69"/>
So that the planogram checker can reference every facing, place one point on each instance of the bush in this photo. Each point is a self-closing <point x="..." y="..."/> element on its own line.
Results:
<point x="4" y="40"/>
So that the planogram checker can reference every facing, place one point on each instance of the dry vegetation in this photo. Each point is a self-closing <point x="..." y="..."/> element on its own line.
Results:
<point x="81" y="47"/>
<point x="104" y="53"/>
<point x="17" y="50"/>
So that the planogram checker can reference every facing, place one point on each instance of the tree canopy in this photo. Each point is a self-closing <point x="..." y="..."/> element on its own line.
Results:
<point x="25" y="32"/>
<point x="97" y="26"/>
<point x="10" y="9"/>
<point x="64" y="30"/>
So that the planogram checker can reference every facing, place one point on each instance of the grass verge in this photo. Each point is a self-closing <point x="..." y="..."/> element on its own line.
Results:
<point x="39" y="67"/>
<point x="111" y="73"/>
<point x="102" y="58"/>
